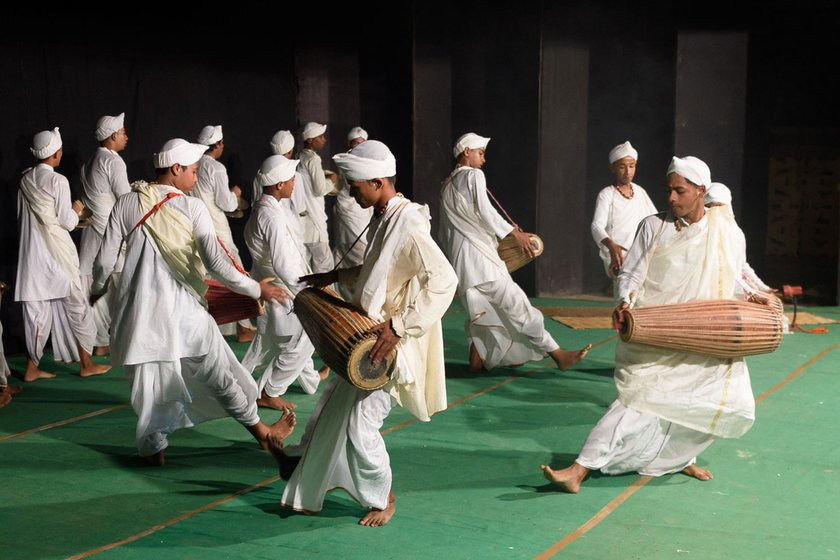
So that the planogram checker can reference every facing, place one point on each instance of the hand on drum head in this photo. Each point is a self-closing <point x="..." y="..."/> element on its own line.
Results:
<point x="618" y="316"/>
<point x="524" y="241"/>
<point x="386" y="340"/>
<point x="321" y="279"/>
<point x="270" y="292"/>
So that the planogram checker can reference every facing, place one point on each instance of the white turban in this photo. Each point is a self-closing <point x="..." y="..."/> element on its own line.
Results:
<point x="718" y="192"/>
<point x="106" y="126"/>
<point x="209" y="135"/>
<point x="357" y="132"/>
<point x="622" y="151"/>
<point x="691" y="168"/>
<point x="46" y="143"/>
<point x="369" y="160"/>
<point x="282" y="142"/>
<point x="313" y="130"/>
<point x="276" y="169"/>
<point x="178" y="151"/>
<point x="469" y="140"/>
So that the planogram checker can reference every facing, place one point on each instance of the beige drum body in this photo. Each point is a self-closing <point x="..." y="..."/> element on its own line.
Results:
<point x="718" y="328"/>
<point x="339" y="333"/>
<point x="513" y="255"/>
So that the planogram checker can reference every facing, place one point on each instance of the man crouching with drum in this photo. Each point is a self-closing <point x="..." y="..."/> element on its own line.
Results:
<point x="406" y="284"/>
<point x="671" y="404"/>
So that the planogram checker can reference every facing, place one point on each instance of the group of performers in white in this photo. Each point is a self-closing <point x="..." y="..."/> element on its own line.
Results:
<point x="149" y="247"/>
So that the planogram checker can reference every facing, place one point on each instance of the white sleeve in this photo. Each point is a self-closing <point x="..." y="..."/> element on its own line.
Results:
<point x="119" y="177"/>
<point x="320" y="185"/>
<point x="59" y="188"/>
<point x="599" y="220"/>
<point x="224" y="197"/>
<point x="217" y="262"/>
<point x="478" y="189"/>
<point x="285" y="259"/>
<point x="109" y="251"/>
<point x="636" y="262"/>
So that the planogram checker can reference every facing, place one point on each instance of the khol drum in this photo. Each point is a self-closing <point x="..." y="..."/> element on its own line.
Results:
<point x="227" y="306"/>
<point x="340" y="335"/>
<point x="718" y="328"/>
<point x="513" y="255"/>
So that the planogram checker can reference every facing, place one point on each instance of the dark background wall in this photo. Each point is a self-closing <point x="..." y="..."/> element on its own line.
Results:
<point x="554" y="84"/>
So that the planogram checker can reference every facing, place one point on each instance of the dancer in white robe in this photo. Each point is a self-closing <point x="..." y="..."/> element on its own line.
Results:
<point x="671" y="405"/>
<point x="214" y="190"/>
<point x="502" y="325"/>
<point x="310" y="204"/>
<point x="49" y="283"/>
<point x="619" y="209"/>
<point x="181" y="370"/>
<point x="350" y="218"/>
<point x="6" y="390"/>
<point x="104" y="179"/>
<point x="406" y="283"/>
<point x="274" y="239"/>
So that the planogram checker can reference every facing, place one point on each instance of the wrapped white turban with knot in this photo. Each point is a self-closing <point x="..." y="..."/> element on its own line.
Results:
<point x="178" y="151"/>
<point x="357" y="132"/>
<point x="106" y="126"/>
<point x="209" y="135"/>
<point x="693" y="169"/>
<point x="313" y="130"/>
<point x="276" y="169"/>
<point x="369" y="160"/>
<point x="469" y="140"/>
<point x="282" y="142"/>
<point x="46" y="143"/>
<point x="622" y="151"/>
<point x="718" y="193"/>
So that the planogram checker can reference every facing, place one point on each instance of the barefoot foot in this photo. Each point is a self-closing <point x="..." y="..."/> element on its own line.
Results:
<point x="32" y="372"/>
<point x="277" y="403"/>
<point x="567" y="358"/>
<point x="277" y="432"/>
<point x="5" y="398"/>
<point x="567" y="479"/>
<point x="101" y="350"/>
<point x="244" y="334"/>
<point x="158" y="459"/>
<point x="697" y="472"/>
<point x="379" y="517"/>
<point x="94" y="369"/>
<point x="324" y="372"/>
<point x="476" y="363"/>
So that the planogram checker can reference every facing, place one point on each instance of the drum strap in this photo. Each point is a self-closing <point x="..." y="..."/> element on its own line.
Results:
<point x="154" y="209"/>
<point x="503" y="210"/>
<point x="231" y="257"/>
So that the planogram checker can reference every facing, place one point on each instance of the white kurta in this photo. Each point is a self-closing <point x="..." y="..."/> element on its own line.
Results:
<point x="213" y="189"/>
<point x="407" y="279"/>
<point x="273" y="238"/>
<point x="671" y="405"/>
<point x="181" y="369"/>
<point x="311" y="208"/>
<point x="48" y="279"/>
<point x="502" y="324"/>
<point x="350" y="221"/>
<point x="104" y="179"/>
<point x="618" y="218"/>
<point x="5" y="373"/>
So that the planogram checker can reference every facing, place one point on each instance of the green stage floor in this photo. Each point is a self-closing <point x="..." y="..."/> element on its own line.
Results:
<point x="468" y="483"/>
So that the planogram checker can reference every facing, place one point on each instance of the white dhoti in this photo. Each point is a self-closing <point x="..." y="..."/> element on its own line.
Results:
<point x="170" y="395"/>
<point x="101" y="309"/>
<point x="68" y="321"/>
<point x="625" y="440"/>
<point x="281" y="338"/>
<point x="505" y="328"/>
<point x="342" y="448"/>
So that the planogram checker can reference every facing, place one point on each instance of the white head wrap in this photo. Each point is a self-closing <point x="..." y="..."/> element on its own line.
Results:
<point x="282" y="142"/>
<point x="276" y="169"/>
<point x="106" y="126"/>
<point x="46" y="143"/>
<point x="312" y="130"/>
<point x="357" y="132"/>
<point x="178" y="151"/>
<point x="718" y="192"/>
<point x="209" y="135"/>
<point x="369" y="160"/>
<point x="469" y="140"/>
<point x="693" y="169"/>
<point x="622" y="151"/>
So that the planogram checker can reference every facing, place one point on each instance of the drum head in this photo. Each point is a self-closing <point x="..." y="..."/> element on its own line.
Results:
<point x="362" y="373"/>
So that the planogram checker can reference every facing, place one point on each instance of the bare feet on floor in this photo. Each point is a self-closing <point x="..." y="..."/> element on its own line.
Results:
<point x="379" y="517"/>
<point x="277" y="403"/>
<point x="324" y="372"/>
<point x="94" y="369"/>
<point x="476" y="363"/>
<point x="101" y="350"/>
<point x="32" y="372"/>
<point x="278" y="432"/>
<point x="567" y="358"/>
<point x="697" y="472"/>
<point x="244" y="334"/>
<point x="5" y="398"/>
<point x="158" y="459"/>
<point x="567" y="479"/>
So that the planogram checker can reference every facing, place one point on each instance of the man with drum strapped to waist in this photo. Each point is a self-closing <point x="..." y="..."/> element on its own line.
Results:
<point x="671" y="405"/>
<point x="503" y="327"/>
<point x="182" y="372"/>
<point x="275" y="240"/>
<point x="406" y="283"/>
